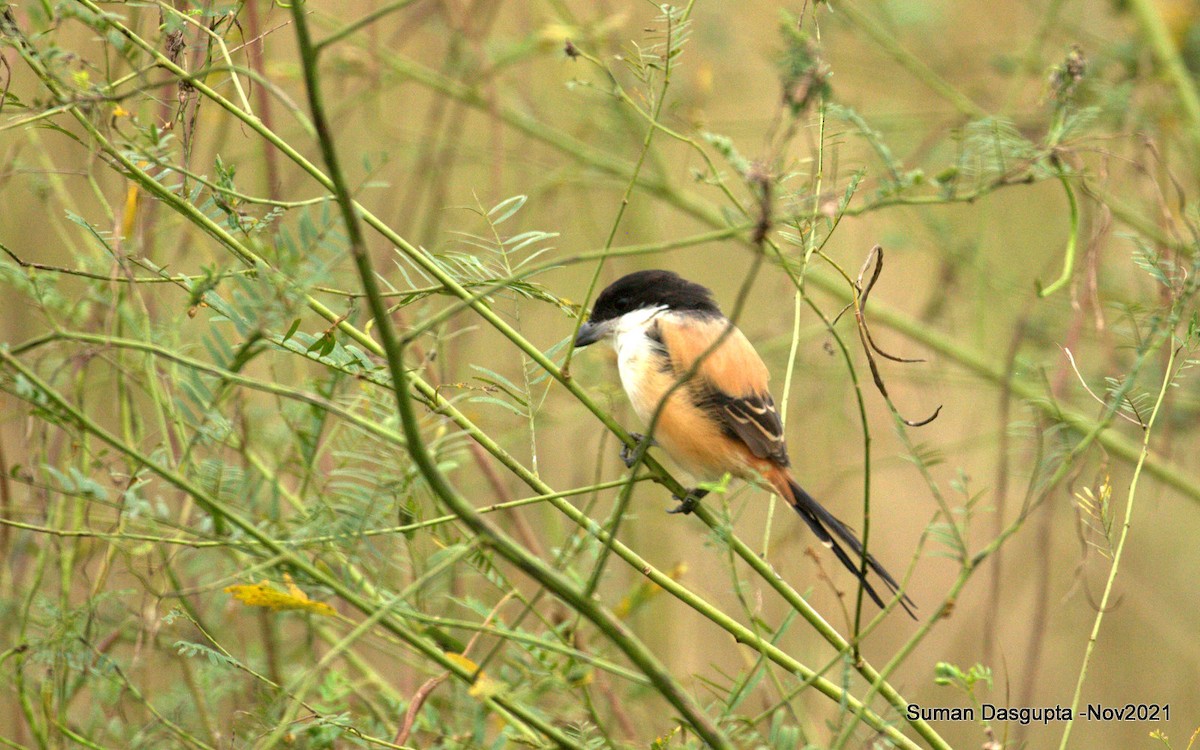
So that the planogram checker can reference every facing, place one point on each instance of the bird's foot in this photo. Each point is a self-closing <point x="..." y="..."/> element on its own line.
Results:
<point x="688" y="502"/>
<point x="629" y="453"/>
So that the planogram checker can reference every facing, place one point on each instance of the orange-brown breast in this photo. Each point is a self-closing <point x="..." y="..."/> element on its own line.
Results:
<point x="690" y="435"/>
<point x="734" y="363"/>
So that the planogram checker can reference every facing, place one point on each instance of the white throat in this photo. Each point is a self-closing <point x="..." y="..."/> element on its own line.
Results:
<point x="629" y="332"/>
<point x="636" y="354"/>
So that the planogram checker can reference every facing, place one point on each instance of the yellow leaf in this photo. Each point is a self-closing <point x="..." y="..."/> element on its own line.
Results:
<point x="462" y="661"/>
<point x="263" y="595"/>
<point x="664" y="741"/>
<point x="484" y="686"/>
<point x="131" y="208"/>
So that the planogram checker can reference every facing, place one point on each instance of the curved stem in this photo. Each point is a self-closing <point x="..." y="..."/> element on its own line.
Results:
<point x="1072" y="240"/>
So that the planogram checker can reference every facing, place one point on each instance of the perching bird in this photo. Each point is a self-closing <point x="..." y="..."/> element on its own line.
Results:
<point x="722" y="417"/>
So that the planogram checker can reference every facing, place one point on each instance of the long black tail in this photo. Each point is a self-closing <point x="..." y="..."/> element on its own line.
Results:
<point x="822" y="522"/>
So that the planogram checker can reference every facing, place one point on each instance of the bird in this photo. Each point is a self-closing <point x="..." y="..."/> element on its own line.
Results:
<point x="696" y="379"/>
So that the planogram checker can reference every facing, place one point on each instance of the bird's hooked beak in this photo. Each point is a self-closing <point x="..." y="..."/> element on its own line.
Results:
<point x="590" y="333"/>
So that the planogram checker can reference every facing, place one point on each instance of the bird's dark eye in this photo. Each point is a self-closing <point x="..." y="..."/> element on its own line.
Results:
<point x="624" y="304"/>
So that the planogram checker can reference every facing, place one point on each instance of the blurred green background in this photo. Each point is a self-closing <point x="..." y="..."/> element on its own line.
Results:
<point x="444" y="109"/>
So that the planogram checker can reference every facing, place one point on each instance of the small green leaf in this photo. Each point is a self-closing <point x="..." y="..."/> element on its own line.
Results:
<point x="291" y="331"/>
<point x="319" y="345"/>
<point x="946" y="673"/>
<point x="504" y="210"/>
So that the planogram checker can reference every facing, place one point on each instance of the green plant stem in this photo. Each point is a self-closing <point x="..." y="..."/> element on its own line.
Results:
<point x="481" y="289"/>
<point x="1072" y="240"/>
<point x="507" y="633"/>
<point x="504" y="328"/>
<point x="282" y="554"/>
<point x="439" y="403"/>
<point x="1094" y="636"/>
<point x="361" y="23"/>
<point x="301" y="542"/>
<point x="904" y="651"/>
<point x="630" y="184"/>
<point x="1167" y="54"/>
<point x="970" y="359"/>
<point x="558" y="584"/>
<point x="304" y="681"/>
<point x="973" y="360"/>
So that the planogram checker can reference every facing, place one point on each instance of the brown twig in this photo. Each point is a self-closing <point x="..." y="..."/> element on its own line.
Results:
<point x="254" y="53"/>
<point x="427" y="688"/>
<point x="414" y="707"/>
<point x="862" y="292"/>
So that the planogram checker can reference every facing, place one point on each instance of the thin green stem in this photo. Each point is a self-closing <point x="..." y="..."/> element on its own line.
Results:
<point x="971" y="359"/>
<point x="551" y="579"/>
<point x="632" y="182"/>
<point x="281" y="553"/>
<point x="1093" y="637"/>
<point x="1072" y="240"/>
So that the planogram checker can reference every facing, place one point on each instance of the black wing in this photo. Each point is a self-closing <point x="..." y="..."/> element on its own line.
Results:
<point x="751" y="419"/>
